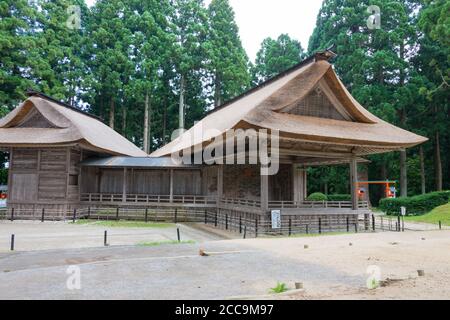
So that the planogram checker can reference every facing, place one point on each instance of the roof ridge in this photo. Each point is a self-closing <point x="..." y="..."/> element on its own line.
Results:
<point x="33" y="93"/>
<point x="320" y="55"/>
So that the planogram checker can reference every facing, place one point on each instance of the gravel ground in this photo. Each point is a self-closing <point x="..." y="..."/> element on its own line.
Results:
<point x="34" y="235"/>
<point x="330" y="268"/>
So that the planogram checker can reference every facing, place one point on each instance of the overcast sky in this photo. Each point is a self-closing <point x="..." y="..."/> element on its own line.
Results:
<point x="258" y="19"/>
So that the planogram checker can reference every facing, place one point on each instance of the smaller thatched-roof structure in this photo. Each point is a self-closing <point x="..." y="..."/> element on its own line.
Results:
<point x="41" y="121"/>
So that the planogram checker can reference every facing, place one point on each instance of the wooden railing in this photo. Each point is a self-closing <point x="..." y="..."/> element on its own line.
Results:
<point x="316" y="204"/>
<point x="146" y="198"/>
<point x="241" y="202"/>
<point x="212" y="200"/>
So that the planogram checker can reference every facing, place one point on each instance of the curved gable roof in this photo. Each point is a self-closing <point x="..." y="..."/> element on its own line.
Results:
<point x="67" y="126"/>
<point x="263" y="106"/>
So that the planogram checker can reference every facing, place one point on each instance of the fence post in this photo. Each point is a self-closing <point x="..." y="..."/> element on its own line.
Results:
<point x="320" y="225"/>
<point x="256" y="227"/>
<point x="226" y="222"/>
<point x="43" y="215"/>
<point x="105" y="238"/>
<point x="240" y="224"/>
<point x="175" y="217"/>
<point x="373" y="222"/>
<point x="74" y="215"/>
<point x="290" y="226"/>
<point x="146" y="214"/>
<point x="215" y="220"/>
<point x="117" y="214"/>
<point x="12" y="242"/>
<point x="398" y="224"/>
<point x="178" y="235"/>
<point x="348" y="224"/>
<point x="12" y="214"/>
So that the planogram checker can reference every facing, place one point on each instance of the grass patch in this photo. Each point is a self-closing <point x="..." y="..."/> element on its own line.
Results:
<point x="160" y="243"/>
<point x="309" y="235"/>
<point x="441" y="213"/>
<point x="280" y="288"/>
<point x="123" y="224"/>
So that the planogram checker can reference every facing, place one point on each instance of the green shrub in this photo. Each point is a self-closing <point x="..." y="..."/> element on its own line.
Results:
<point x="416" y="205"/>
<point x="317" y="196"/>
<point x="339" y="197"/>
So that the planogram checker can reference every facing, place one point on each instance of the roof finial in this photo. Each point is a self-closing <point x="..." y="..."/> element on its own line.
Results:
<point x="326" y="55"/>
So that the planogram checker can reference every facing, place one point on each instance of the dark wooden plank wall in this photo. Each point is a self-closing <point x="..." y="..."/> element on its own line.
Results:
<point x="153" y="182"/>
<point x="43" y="175"/>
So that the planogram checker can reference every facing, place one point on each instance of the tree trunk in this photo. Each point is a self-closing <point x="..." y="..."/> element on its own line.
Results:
<point x="422" y="170"/>
<point x="164" y="128"/>
<point x="181" y="107"/>
<point x="217" y="91"/>
<point x="112" y="112"/>
<point x="124" y="121"/>
<point x="146" y="123"/>
<point x="438" y="162"/>
<point x="403" y="166"/>
<point x="403" y="175"/>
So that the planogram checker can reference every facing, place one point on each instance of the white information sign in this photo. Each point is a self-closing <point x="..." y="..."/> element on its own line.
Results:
<point x="276" y="219"/>
<point x="403" y="211"/>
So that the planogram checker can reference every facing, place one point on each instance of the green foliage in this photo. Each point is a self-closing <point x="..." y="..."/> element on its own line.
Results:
<point x="160" y="243"/>
<point x="397" y="73"/>
<point x="317" y="196"/>
<point x="416" y="205"/>
<point x="3" y="176"/>
<point x="276" y="56"/>
<point x="124" y="224"/>
<point x="339" y="197"/>
<point x="280" y="288"/>
<point x="439" y="214"/>
<point x="228" y="61"/>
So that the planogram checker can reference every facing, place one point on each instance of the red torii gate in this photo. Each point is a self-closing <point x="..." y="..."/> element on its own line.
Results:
<point x="387" y="189"/>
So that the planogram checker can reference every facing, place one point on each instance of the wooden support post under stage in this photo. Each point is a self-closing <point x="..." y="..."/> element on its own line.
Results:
<point x="219" y="183"/>
<point x="171" y="185"/>
<point x="264" y="191"/>
<point x="299" y="188"/>
<point x="353" y="182"/>
<point x="124" y="185"/>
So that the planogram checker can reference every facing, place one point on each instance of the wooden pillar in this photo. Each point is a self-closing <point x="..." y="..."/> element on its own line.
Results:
<point x="171" y="185"/>
<point x="298" y="183"/>
<point x="264" y="191"/>
<point x="10" y="173"/>
<point x="124" y="185"/>
<point x="219" y="183"/>
<point x="353" y="181"/>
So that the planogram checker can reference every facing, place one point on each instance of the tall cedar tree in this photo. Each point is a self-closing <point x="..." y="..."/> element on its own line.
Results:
<point x="228" y="62"/>
<point x="276" y="56"/>
<point x="189" y="25"/>
<point x="374" y="64"/>
<point x="110" y="65"/>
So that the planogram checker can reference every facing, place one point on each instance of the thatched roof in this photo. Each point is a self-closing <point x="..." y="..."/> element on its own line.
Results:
<point x="268" y="105"/>
<point x="41" y="121"/>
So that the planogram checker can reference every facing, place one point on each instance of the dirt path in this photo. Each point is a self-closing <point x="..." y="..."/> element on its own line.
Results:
<point x="330" y="267"/>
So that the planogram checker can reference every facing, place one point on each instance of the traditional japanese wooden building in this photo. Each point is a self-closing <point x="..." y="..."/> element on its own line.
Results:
<point x="63" y="158"/>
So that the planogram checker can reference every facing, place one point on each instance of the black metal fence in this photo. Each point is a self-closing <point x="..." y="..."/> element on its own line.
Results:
<point x="243" y="223"/>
